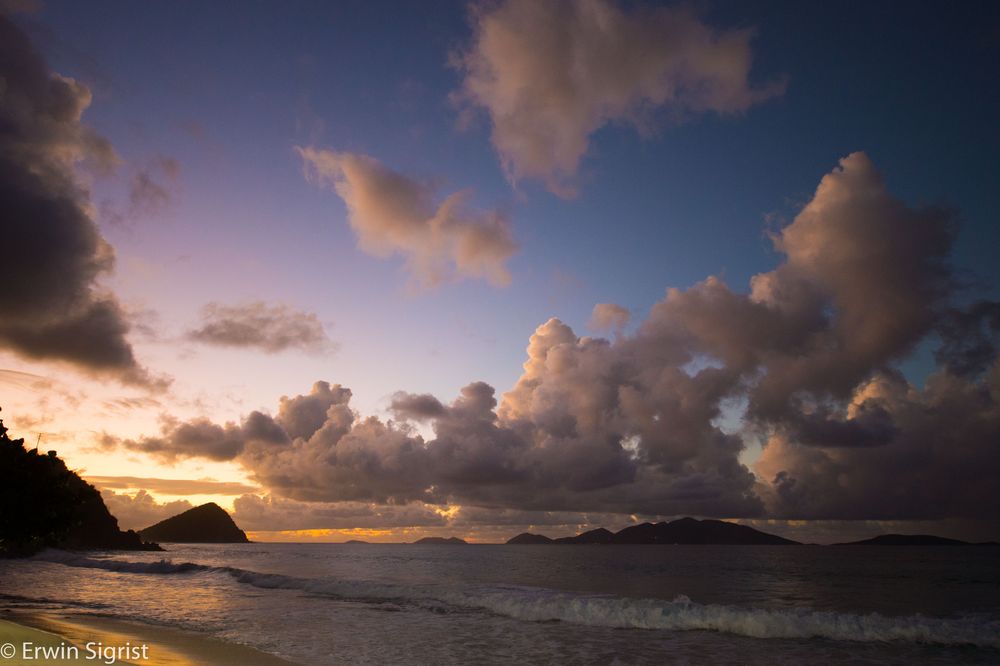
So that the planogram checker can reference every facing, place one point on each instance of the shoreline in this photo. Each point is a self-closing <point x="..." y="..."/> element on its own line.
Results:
<point x="164" y="645"/>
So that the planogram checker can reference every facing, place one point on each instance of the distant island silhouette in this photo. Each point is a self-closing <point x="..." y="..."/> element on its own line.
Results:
<point x="529" y="539"/>
<point x="43" y="504"/>
<point x="450" y="541"/>
<point x="912" y="540"/>
<point x="681" y="531"/>
<point x="208" y="523"/>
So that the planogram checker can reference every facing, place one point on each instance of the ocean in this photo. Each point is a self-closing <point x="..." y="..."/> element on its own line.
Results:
<point x="440" y="604"/>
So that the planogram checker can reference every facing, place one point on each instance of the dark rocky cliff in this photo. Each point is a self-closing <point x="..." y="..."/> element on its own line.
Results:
<point x="43" y="504"/>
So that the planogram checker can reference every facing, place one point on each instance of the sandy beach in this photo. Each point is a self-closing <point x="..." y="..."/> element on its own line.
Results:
<point x="60" y="632"/>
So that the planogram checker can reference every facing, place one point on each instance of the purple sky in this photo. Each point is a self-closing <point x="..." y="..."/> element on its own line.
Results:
<point x="477" y="269"/>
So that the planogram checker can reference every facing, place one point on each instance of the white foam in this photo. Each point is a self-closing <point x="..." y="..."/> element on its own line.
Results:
<point x="537" y="604"/>
<point x="682" y="614"/>
<point x="122" y="566"/>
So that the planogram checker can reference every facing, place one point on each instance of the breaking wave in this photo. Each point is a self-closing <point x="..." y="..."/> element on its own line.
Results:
<point x="120" y="566"/>
<point x="540" y="605"/>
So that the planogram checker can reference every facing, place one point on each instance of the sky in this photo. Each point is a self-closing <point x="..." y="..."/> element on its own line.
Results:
<point x="388" y="270"/>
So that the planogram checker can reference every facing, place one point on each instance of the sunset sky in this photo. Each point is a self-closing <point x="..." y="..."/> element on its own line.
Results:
<point x="382" y="270"/>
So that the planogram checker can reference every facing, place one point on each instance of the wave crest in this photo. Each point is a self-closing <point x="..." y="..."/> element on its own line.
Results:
<point x="543" y="605"/>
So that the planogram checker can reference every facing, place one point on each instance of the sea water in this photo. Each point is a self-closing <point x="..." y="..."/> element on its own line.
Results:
<point x="573" y="604"/>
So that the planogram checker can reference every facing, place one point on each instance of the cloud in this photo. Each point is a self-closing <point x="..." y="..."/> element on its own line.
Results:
<point x="20" y="6"/>
<point x="172" y="486"/>
<point x="550" y="74"/>
<point x="253" y="512"/>
<point x="139" y="511"/>
<point x="609" y="317"/>
<point x="269" y="328"/>
<point x="24" y="380"/>
<point x="566" y="438"/>
<point x="934" y="465"/>
<point x="392" y="214"/>
<point x="52" y="307"/>
<point x="633" y="425"/>
<point x="150" y="191"/>
<point x="197" y="438"/>
<point x="969" y="338"/>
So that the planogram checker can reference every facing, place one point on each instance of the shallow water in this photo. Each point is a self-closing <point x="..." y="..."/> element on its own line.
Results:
<point x="334" y="603"/>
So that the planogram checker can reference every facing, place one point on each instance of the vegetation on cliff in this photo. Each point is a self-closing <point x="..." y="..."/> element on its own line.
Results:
<point x="44" y="504"/>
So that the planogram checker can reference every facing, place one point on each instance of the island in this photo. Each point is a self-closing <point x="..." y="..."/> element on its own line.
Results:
<point x="907" y="540"/>
<point x="529" y="539"/>
<point x="44" y="504"/>
<point x="450" y="541"/>
<point x="684" y="531"/>
<point x="208" y="523"/>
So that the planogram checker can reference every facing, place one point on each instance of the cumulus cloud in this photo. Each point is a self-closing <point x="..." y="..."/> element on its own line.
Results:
<point x="51" y="306"/>
<point x="139" y="511"/>
<point x="392" y="214"/>
<point x="632" y="426"/>
<point x="550" y="74"/>
<point x="199" y="437"/>
<point x="568" y="437"/>
<point x="609" y="317"/>
<point x="969" y="338"/>
<point x="254" y="512"/>
<point x="934" y="464"/>
<point x="271" y="328"/>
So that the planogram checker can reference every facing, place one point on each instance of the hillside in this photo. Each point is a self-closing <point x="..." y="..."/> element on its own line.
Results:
<point x="683" y="531"/>
<point x="450" y="541"/>
<point x="529" y="539"/>
<point x="208" y="523"/>
<point x="43" y="504"/>
<point x="600" y="535"/>
<point x="692" y="531"/>
<point x="906" y="540"/>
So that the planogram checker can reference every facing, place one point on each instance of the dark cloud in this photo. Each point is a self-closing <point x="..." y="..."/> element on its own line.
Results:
<point x="269" y="328"/>
<point x="633" y="425"/>
<point x="51" y="306"/>
<point x="969" y="338"/>
<point x="417" y="407"/>
<point x="577" y="446"/>
<point x="20" y="6"/>
<point x="199" y="437"/>
<point x="938" y="463"/>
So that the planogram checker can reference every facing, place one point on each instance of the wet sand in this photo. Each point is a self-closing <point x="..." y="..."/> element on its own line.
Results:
<point x="165" y="646"/>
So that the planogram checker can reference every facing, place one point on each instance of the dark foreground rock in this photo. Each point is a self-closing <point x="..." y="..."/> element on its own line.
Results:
<point x="43" y="504"/>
